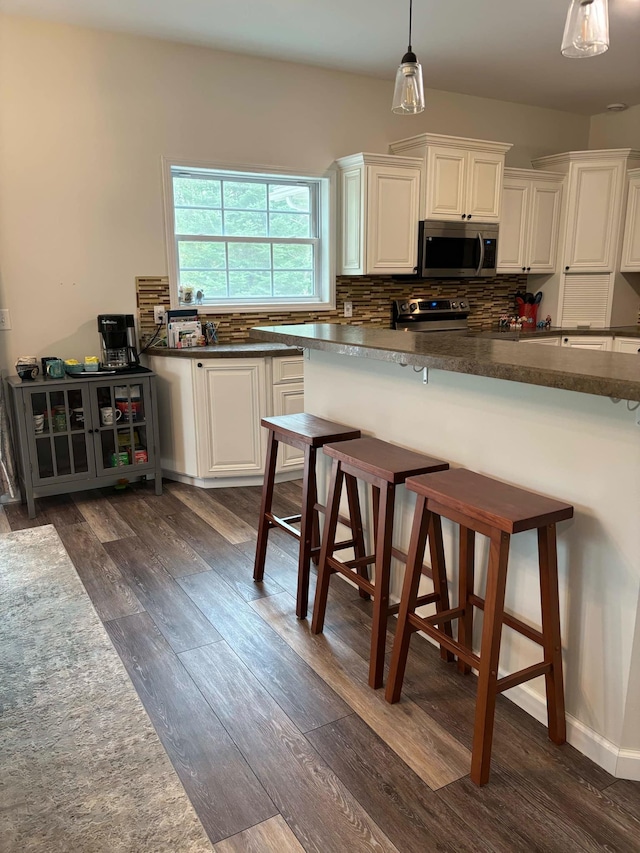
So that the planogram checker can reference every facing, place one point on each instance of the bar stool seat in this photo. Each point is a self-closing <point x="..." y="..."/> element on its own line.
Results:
<point x="307" y="433"/>
<point x="383" y="466"/>
<point x="497" y="510"/>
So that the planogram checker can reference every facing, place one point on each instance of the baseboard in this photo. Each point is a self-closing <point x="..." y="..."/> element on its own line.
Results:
<point x="621" y="763"/>
<point x="596" y="747"/>
<point x="228" y="482"/>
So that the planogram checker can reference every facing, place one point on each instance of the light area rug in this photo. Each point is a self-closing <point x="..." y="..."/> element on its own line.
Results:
<point x="82" y="766"/>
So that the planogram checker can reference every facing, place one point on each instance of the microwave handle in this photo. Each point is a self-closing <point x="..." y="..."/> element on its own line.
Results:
<point x="481" y="264"/>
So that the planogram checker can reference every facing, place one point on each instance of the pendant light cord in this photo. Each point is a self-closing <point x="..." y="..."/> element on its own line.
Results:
<point x="410" y="19"/>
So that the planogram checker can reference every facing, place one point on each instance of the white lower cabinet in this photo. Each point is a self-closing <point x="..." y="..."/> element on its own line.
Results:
<point x="210" y="413"/>
<point x="230" y="398"/>
<point x="629" y="345"/>
<point x="587" y="342"/>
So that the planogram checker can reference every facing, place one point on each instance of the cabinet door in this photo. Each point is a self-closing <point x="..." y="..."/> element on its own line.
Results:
<point x="123" y="430"/>
<point x="631" y="242"/>
<point x="544" y="342"/>
<point x="512" y="240"/>
<point x="587" y="342"/>
<point x="628" y="345"/>
<point x="392" y="219"/>
<point x="57" y="421"/>
<point x="593" y="218"/>
<point x="351" y="222"/>
<point x="230" y="402"/>
<point x="484" y="186"/>
<point x="544" y="223"/>
<point x="288" y="399"/>
<point x="586" y="300"/>
<point x="445" y="183"/>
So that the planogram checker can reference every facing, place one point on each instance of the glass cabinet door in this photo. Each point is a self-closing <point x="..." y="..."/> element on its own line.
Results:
<point x="121" y="434"/>
<point x="57" y="433"/>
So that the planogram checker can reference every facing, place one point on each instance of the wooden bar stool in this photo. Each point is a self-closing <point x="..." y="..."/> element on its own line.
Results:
<point x="307" y="433"/>
<point x="383" y="466"/>
<point x="496" y="510"/>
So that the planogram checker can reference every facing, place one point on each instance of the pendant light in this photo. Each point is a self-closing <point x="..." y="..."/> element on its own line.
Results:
<point x="408" y="97"/>
<point x="586" y="32"/>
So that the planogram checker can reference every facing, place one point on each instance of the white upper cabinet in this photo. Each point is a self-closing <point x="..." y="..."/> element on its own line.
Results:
<point x="631" y="241"/>
<point x="463" y="177"/>
<point x="596" y="185"/>
<point x="531" y="205"/>
<point x="379" y="214"/>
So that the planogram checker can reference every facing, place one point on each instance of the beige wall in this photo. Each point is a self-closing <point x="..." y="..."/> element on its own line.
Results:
<point x="616" y="130"/>
<point x="85" y="117"/>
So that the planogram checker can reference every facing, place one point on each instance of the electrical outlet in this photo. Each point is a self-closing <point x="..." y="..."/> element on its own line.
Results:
<point x="159" y="314"/>
<point x="5" y="319"/>
<point x="348" y="309"/>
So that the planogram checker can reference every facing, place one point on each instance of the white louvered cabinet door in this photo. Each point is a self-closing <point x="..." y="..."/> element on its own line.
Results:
<point x="586" y="300"/>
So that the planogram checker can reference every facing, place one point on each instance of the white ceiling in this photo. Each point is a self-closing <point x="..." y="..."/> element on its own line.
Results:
<point x="505" y="49"/>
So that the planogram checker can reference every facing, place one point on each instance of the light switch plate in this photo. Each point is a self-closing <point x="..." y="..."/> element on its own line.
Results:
<point x="5" y="319"/>
<point x="348" y="309"/>
<point x="159" y="314"/>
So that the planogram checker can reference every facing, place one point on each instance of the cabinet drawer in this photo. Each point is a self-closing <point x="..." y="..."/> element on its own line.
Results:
<point x="288" y="369"/>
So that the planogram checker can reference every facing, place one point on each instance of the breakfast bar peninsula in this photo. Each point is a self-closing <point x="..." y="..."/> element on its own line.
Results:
<point x="557" y="421"/>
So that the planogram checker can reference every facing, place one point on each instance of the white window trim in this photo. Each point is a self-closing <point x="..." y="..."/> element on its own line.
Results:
<point x="327" y="223"/>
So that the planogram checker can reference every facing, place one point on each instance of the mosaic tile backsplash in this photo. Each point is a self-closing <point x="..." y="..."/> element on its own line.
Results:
<point x="371" y="298"/>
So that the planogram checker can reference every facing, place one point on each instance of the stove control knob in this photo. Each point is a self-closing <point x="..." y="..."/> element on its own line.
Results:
<point x="454" y="304"/>
<point x="413" y="306"/>
<point x="463" y="306"/>
<point x="404" y="306"/>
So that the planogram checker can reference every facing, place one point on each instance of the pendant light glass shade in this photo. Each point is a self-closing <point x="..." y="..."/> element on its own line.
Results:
<point x="586" y="32"/>
<point x="408" y="96"/>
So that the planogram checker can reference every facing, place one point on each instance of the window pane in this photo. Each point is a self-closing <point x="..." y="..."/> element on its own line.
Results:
<point x="207" y="222"/>
<point x="288" y="198"/>
<point x="245" y="223"/>
<point x="292" y="283"/>
<point x="288" y="225"/>
<point x="255" y="256"/>
<point x="292" y="257"/>
<point x="200" y="193"/>
<point x="248" y="196"/>
<point x="249" y="283"/>
<point x="212" y="284"/>
<point x="201" y="255"/>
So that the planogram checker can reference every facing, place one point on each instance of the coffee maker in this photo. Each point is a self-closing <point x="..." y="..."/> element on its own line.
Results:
<point x="118" y="341"/>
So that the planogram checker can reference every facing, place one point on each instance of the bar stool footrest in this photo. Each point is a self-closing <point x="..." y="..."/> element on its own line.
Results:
<point x="512" y="622"/>
<point x="522" y="675"/>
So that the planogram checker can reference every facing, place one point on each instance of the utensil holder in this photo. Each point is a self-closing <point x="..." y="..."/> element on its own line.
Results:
<point x="529" y="315"/>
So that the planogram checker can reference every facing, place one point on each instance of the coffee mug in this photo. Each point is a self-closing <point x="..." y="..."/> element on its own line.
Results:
<point x="38" y="424"/>
<point x="77" y="417"/>
<point x="55" y="368"/>
<point x="129" y="410"/>
<point x="107" y="414"/>
<point x="27" y="371"/>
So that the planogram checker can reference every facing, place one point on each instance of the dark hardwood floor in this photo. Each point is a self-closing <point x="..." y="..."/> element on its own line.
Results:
<point x="274" y="733"/>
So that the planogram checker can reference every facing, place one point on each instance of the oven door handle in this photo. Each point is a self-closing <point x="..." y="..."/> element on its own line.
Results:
<point x="481" y="264"/>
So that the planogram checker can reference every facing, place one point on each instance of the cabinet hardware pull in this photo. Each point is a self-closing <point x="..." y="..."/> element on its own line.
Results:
<point x="464" y="215"/>
<point x="468" y="216"/>
<point x="566" y="269"/>
<point x="199" y="364"/>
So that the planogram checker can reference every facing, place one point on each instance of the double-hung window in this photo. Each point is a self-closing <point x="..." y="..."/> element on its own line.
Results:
<point x="245" y="240"/>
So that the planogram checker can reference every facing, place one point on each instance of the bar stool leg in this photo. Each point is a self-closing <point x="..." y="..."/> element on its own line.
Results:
<point x="551" y="632"/>
<point x="351" y="485"/>
<point x="466" y="577"/>
<point x="439" y="577"/>
<point x="265" y="507"/>
<point x="489" y="656"/>
<point x="408" y="601"/>
<point x="328" y="540"/>
<point x="306" y="530"/>
<point x="381" y="597"/>
<point x="315" y="527"/>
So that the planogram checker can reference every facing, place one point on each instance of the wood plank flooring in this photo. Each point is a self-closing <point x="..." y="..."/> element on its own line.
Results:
<point x="274" y="733"/>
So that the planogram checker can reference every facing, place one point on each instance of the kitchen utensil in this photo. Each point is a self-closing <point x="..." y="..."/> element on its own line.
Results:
<point x="107" y="414"/>
<point x="55" y="368"/>
<point x="538" y="298"/>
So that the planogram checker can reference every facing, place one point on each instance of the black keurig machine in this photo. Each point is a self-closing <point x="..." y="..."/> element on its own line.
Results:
<point x="118" y="341"/>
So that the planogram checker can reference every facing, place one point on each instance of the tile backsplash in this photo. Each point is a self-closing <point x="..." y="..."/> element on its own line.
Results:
<point x="371" y="298"/>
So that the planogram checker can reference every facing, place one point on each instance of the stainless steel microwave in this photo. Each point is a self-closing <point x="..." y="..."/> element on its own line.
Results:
<point x="457" y="249"/>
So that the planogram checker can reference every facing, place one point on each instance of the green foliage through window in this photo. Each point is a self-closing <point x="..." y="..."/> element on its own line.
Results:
<point x="246" y="238"/>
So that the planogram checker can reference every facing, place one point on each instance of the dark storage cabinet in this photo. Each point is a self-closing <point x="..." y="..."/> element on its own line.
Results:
<point x="85" y="432"/>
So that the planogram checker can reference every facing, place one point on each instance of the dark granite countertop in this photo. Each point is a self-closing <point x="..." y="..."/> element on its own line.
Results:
<point x="555" y="332"/>
<point x="243" y="349"/>
<point x="606" y="374"/>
